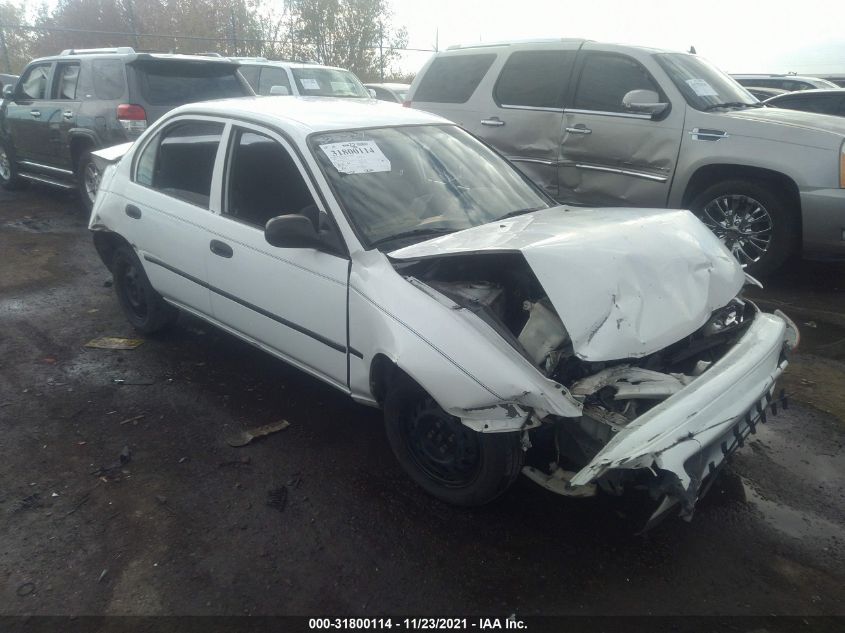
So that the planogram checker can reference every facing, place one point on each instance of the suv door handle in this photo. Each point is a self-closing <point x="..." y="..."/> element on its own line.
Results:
<point x="579" y="129"/>
<point x="67" y="114"/>
<point x="221" y="248"/>
<point x="35" y="113"/>
<point x="133" y="212"/>
<point x="493" y="121"/>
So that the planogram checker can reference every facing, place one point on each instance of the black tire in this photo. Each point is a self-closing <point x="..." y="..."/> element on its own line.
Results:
<point x="87" y="180"/>
<point x="143" y="306"/>
<point x="488" y="464"/>
<point x="778" y="222"/>
<point x="9" y="178"/>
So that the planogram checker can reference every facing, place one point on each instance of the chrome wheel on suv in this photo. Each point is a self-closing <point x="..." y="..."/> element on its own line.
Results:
<point x="91" y="176"/>
<point x="742" y="223"/>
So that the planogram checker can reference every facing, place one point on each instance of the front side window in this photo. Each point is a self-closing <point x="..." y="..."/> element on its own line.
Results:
<point x="606" y="79"/>
<point x="408" y="183"/>
<point x="33" y="85"/>
<point x="272" y="77"/>
<point x="328" y="82"/>
<point x="535" y="79"/>
<point x="454" y="78"/>
<point x="704" y="86"/>
<point x="179" y="162"/>
<point x="263" y="182"/>
<point x="66" y="78"/>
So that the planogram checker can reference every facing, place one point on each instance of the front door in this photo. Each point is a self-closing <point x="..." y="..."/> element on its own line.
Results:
<point x="25" y="121"/>
<point x="291" y="301"/>
<point x="611" y="156"/>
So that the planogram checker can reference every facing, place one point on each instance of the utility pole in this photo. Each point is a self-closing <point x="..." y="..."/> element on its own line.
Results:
<point x="234" y="44"/>
<point x="381" y="51"/>
<point x="3" y="48"/>
<point x="130" y="14"/>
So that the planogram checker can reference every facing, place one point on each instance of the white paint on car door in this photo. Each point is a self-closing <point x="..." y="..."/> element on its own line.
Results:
<point x="290" y="301"/>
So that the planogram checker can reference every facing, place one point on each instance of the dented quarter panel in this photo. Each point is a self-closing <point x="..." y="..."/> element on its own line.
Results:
<point x="456" y="357"/>
<point x="625" y="282"/>
<point x="692" y="419"/>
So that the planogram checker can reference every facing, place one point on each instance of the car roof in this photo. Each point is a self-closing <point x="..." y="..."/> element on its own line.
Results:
<point x="285" y="63"/>
<point x="479" y="47"/>
<point x="809" y="94"/>
<point x="305" y="115"/>
<point x="776" y="76"/>
<point x="131" y="55"/>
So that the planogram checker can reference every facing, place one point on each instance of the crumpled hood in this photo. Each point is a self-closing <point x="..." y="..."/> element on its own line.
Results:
<point x="625" y="282"/>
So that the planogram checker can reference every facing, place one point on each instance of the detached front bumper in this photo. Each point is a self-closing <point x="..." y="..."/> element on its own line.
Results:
<point x="688" y="435"/>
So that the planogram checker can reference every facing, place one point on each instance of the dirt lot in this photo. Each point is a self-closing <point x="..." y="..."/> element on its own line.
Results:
<point x="184" y="526"/>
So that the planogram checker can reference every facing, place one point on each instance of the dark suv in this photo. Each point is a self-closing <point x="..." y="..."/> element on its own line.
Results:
<point x="64" y="107"/>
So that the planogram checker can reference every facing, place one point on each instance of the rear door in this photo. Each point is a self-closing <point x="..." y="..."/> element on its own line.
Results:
<point x="60" y="113"/>
<point x="171" y="207"/>
<point x="611" y="156"/>
<point x="521" y="115"/>
<point x="25" y="121"/>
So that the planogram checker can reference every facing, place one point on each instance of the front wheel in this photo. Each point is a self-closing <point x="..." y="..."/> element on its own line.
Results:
<point x="143" y="306"/>
<point x="9" y="178"/>
<point x="754" y="220"/>
<point x="444" y="457"/>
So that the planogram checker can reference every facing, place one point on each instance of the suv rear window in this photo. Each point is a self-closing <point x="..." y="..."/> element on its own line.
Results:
<point x="453" y="79"/>
<point x="174" y="83"/>
<point x="535" y="78"/>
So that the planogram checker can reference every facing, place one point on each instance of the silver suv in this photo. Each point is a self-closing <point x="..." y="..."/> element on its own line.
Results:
<point x="283" y="77"/>
<point x="608" y="125"/>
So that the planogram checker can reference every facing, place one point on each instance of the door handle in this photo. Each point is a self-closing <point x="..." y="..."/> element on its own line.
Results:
<point x="67" y="114"/>
<point x="133" y="212"/>
<point x="493" y="121"/>
<point x="579" y="129"/>
<point x="35" y="113"/>
<point x="221" y="248"/>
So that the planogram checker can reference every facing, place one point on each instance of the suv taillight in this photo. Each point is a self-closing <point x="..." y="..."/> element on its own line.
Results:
<point x="133" y="118"/>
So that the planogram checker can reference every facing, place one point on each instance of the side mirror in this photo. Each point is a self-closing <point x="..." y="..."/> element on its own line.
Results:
<point x="292" y="231"/>
<point x="9" y="92"/>
<point x="372" y="92"/>
<point x="279" y="91"/>
<point x="644" y="102"/>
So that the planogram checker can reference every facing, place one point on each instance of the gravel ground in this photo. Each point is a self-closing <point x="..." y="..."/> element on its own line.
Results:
<point x="189" y="525"/>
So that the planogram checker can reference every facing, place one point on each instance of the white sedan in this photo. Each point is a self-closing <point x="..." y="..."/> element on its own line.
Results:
<point x="393" y="255"/>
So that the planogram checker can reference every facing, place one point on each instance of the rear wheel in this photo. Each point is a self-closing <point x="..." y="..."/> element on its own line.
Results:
<point x="443" y="456"/>
<point x="88" y="180"/>
<point x="143" y="306"/>
<point x="754" y="221"/>
<point x="9" y="178"/>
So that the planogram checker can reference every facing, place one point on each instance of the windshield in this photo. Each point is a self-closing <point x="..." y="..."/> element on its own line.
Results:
<point x="328" y="82"/>
<point x="404" y="184"/>
<point x="703" y="85"/>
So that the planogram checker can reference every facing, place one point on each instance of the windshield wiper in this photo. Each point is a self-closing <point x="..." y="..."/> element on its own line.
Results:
<point x="733" y="104"/>
<point x="411" y="233"/>
<point x="511" y="214"/>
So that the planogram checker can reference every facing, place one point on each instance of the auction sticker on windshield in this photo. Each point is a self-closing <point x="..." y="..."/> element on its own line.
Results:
<point x="702" y="88"/>
<point x="356" y="157"/>
<point x="309" y="83"/>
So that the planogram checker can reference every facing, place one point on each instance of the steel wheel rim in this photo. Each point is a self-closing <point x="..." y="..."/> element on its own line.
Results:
<point x="441" y="446"/>
<point x="742" y="223"/>
<point x="92" y="181"/>
<point x="133" y="291"/>
<point x="5" y="167"/>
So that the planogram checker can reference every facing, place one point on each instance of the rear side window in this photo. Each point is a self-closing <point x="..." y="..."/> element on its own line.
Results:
<point x="66" y="79"/>
<point x="179" y="162"/>
<point x="250" y="73"/>
<point x="536" y="79"/>
<point x="109" y="79"/>
<point x="272" y="77"/>
<point x="606" y="79"/>
<point x="453" y="79"/>
<point x="175" y="83"/>
<point x="33" y="85"/>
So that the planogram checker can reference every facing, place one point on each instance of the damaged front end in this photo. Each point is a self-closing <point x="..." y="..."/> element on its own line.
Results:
<point x="663" y="421"/>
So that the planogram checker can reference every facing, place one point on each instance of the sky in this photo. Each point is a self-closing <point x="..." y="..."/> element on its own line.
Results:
<point x="740" y="36"/>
